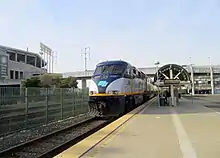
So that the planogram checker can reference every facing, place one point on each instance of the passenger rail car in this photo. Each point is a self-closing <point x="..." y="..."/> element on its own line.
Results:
<point x="117" y="87"/>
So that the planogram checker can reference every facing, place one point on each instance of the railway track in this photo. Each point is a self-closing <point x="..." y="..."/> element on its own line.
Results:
<point x="56" y="142"/>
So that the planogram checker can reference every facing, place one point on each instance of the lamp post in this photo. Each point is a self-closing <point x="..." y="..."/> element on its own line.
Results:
<point x="85" y="56"/>
<point x="48" y="52"/>
<point x="211" y="76"/>
<point x="158" y="95"/>
<point x="41" y="59"/>
<point x="192" y="77"/>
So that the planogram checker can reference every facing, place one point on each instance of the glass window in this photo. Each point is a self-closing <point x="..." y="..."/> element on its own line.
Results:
<point x="11" y="74"/>
<point x="134" y="72"/>
<point x="20" y="58"/>
<point x="11" y="56"/>
<point x="109" y="69"/>
<point x="98" y="70"/>
<point x="16" y="75"/>
<point x="139" y="75"/>
<point x="31" y="60"/>
<point x="118" y="69"/>
<point x="21" y="75"/>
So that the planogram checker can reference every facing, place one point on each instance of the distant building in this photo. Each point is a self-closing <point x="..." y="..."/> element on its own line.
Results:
<point x="21" y="64"/>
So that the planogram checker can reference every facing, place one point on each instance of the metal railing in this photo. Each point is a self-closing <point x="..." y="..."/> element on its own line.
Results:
<point x="25" y="108"/>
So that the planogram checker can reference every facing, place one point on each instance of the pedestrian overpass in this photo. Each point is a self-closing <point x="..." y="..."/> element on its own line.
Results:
<point x="86" y="75"/>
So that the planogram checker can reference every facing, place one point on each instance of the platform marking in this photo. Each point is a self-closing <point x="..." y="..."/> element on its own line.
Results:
<point x="83" y="147"/>
<point x="120" y="127"/>
<point x="218" y="113"/>
<point x="184" y="141"/>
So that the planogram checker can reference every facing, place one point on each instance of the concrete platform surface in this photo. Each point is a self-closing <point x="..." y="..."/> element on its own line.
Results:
<point x="189" y="130"/>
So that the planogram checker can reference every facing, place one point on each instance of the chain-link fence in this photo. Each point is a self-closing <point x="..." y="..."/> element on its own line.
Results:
<point x="24" y="108"/>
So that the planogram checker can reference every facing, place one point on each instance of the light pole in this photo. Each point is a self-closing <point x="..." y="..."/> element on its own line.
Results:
<point x="158" y="95"/>
<point x="211" y="76"/>
<point x="85" y="56"/>
<point x="48" y="52"/>
<point x="41" y="60"/>
<point x="192" y="77"/>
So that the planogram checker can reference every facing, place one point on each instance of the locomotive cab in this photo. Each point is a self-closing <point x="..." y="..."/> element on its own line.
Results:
<point x="106" y="89"/>
<point x="116" y="87"/>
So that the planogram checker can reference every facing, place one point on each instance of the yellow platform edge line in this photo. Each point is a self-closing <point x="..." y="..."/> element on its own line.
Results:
<point x="118" y="94"/>
<point x="93" y="140"/>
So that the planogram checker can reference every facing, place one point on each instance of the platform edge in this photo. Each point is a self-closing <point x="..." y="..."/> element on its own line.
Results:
<point x="93" y="140"/>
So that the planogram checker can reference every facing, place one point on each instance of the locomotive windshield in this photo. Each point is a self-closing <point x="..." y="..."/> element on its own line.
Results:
<point x="109" y="69"/>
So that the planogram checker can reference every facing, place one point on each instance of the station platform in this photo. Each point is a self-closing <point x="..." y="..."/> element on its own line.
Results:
<point x="189" y="130"/>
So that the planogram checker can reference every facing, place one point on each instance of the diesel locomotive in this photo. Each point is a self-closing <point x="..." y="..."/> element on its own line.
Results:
<point x="118" y="87"/>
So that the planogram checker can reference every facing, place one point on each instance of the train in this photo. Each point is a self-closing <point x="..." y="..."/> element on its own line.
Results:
<point x="117" y="87"/>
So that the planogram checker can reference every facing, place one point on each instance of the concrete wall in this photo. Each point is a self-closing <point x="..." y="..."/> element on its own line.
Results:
<point x="28" y="70"/>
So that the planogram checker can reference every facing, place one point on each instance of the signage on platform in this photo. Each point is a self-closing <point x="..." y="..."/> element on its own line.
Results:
<point x="171" y="81"/>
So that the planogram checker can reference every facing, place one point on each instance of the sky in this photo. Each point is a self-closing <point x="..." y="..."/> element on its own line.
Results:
<point x="138" y="31"/>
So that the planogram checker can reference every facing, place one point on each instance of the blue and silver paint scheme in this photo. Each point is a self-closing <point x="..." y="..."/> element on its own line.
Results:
<point x="104" y="83"/>
<point x="106" y="87"/>
<point x="114" y="93"/>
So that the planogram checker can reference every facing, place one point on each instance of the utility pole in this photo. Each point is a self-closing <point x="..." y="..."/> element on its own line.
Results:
<point x="192" y="76"/>
<point x="85" y="53"/>
<point x="52" y="58"/>
<point x="41" y="60"/>
<point x="211" y="77"/>
<point x="157" y="69"/>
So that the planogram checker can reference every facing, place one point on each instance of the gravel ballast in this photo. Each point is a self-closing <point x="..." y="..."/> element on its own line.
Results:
<point x="48" y="146"/>
<point x="27" y="135"/>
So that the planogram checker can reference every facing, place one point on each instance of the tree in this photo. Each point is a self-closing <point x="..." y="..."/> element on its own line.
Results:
<point x="50" y="80"/>
<point x="31" y="82"/>
<point x="57" y="80"/>
<point x="46" y="81"/>
<point x="69" y="82"/>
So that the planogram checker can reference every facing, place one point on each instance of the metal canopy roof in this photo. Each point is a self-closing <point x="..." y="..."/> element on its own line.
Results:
<point x="178" y="73"/>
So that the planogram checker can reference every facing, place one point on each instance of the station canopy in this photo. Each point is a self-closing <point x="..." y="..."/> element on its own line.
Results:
<point x="179" y="73"/>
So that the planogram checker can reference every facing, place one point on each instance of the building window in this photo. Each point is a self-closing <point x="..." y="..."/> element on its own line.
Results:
<point x="11" y="74"/>
<point x="16" y="75"/>
<point x="21" y="58"/>
<point x="21" y="75"/>
<point x="11" y="56"/>
<point x="31" y="60"/>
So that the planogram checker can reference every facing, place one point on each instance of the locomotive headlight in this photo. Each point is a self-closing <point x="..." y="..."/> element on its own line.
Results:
<point x="113" y="92"/>
<point x="92" y="92"/>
